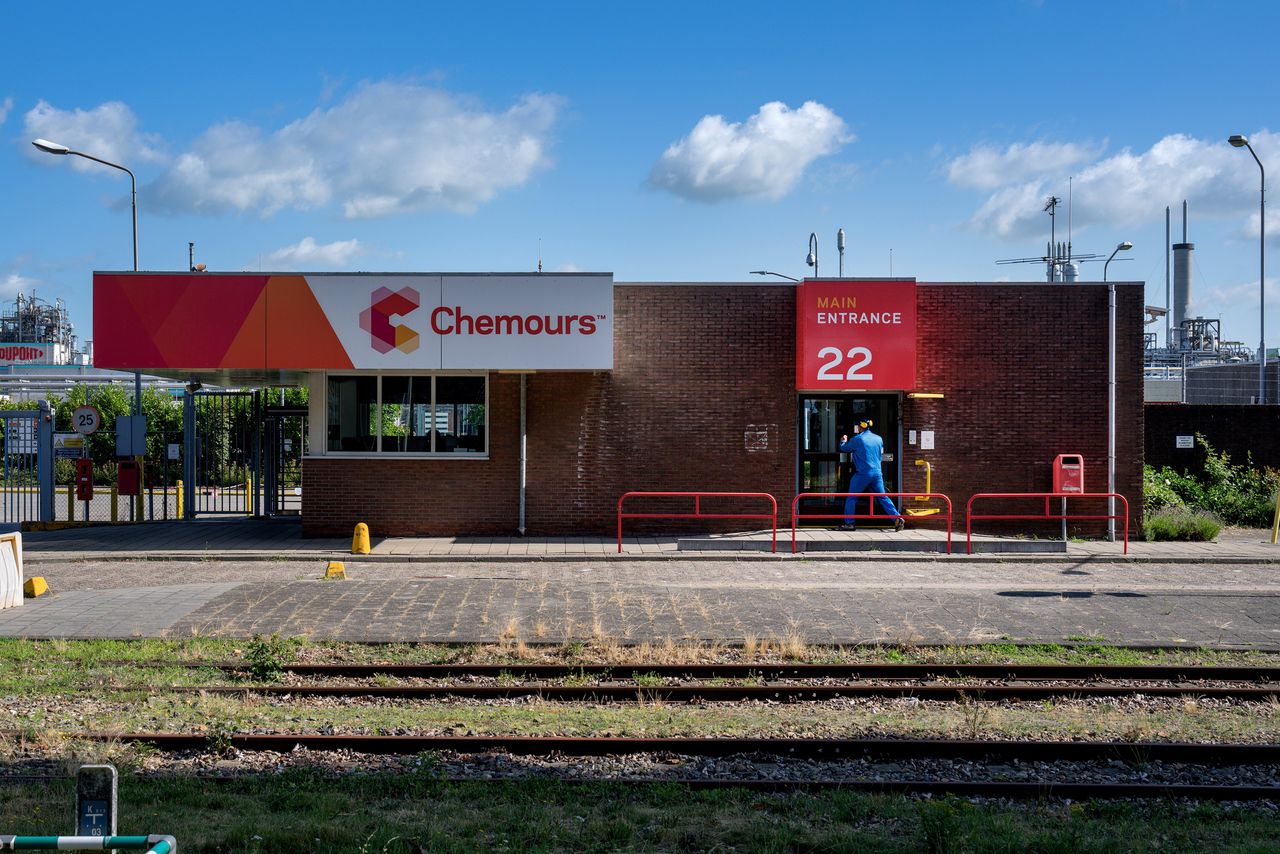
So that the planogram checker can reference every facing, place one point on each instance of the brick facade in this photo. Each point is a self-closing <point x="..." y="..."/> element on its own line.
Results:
<point x="702" y="397"/>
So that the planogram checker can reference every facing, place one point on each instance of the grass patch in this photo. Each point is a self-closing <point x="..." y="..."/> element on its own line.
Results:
<point x="302" y="811"/>
<point x="1181" y="523"/>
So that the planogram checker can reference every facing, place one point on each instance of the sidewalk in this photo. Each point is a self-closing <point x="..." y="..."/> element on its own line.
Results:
<point x="252" y="539"/>
<point x="237" y="578"/>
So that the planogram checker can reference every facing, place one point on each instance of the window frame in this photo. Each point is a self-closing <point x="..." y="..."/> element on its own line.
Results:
<point x="379" y="453"/>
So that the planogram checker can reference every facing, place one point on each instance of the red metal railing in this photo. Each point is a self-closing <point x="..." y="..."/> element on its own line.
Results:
<point x="1047" y="496"/>
<point x="872" y="515"/>
<point x="697" y="509"/>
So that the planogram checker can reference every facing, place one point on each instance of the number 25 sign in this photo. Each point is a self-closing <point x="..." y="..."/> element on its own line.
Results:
<point x="855" y="336"/>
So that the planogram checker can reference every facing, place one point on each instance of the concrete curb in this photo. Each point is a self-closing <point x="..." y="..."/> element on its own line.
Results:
<point x="719" y="556"/>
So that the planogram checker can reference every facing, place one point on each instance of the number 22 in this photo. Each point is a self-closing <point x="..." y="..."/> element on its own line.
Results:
<point x="859" y="356"/>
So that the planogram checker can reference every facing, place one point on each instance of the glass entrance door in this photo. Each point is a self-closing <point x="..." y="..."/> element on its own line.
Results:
<point x="823" y="419"/>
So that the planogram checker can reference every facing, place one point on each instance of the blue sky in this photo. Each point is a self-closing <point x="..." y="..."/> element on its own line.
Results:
<point x="659" y="141"/>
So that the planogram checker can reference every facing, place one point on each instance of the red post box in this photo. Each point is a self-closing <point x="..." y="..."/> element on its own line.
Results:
<point x="129" y="477"/>
<point x="1068" y="473"/>
<point x="84" y="479"/>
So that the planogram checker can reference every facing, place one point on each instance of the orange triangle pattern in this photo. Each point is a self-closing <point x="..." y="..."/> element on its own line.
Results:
<point x="298" y="334"/>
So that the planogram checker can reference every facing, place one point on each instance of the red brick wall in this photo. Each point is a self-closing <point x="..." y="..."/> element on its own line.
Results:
<point x="1024" y="371"/>
<point x="697" y="368"/>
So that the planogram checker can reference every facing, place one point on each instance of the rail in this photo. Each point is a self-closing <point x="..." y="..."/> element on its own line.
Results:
<point x="697" y="509"/>
<point x="969" y="516"/>
<point x="872" y="515"/>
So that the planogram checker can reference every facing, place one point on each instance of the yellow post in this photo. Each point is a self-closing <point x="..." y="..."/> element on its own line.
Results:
<point x="248" y="496"/>
<point x="1275" y="522"/>
<point x="115" y="511"/>
<point x="360" y="540"/>
<point x="166" y="498"/>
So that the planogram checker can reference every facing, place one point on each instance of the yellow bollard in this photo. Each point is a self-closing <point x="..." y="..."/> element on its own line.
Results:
<point x="179" y="499"/>
<point x="360" y="540"/>
<point x="115" y="510"/>
<point x="248" y="496"/>
<point x="336" y="570"/>
<point x="35" y="586"/>
<point x="1275" y="523"/>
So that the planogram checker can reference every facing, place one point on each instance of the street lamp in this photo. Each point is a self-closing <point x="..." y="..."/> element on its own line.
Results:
<point x="812" y="260"/>
<point x="771" y="273"/>
<point x="1111" y="390"/>
<point x="1243" y="142"/>
<point x="56" y="148"/>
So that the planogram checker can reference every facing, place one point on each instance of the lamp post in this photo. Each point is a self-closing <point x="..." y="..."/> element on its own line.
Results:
<point x="1111" y="390"/>
<point x="771" y="273"/>
<point x="1240" y="141"/>
<point x="54" y="148"/>
<point x="812" y="260"/>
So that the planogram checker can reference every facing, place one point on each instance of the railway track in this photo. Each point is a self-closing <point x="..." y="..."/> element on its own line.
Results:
<point x="769" y="683"/>
<point x="764" y="671"/>
<point x="1142" y="755"/>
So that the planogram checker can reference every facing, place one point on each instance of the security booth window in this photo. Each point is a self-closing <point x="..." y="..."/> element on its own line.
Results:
<point x="353" y="408"/>
<point x="407" y="414"/>
<point x="460" y="415"/>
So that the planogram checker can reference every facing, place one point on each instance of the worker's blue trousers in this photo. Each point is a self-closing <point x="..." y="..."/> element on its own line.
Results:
<point x="868" y="482"/>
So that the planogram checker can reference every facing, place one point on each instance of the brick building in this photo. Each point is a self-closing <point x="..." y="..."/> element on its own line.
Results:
<point x="701" y="391"/>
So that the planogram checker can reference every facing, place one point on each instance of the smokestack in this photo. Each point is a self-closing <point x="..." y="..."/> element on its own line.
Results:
<point x="1181" y="282"/>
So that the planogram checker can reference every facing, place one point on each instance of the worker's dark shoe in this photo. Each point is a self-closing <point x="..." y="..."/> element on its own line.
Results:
<point x="848" y="527"/>
<point x="898" y="525"/>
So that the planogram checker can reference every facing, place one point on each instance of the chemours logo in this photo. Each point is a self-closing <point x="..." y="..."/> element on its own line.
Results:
<point x="384" y="304"/>
<point x="452" y="320"/>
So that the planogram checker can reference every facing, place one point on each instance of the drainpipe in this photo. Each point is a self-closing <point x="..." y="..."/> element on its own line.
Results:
<point x="524" y="440"/>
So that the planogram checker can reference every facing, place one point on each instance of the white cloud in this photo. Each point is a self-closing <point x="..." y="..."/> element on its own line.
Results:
<point x="568" y="267"/>
<point x="763" y="157"/>
<point x="306" y="252"/>
<point x="388" y="148"/>
<point x="5" y="106"/>
<point x="108" y="131"/>
<point x="14" y="284"/>
<point x="1128" y="188"/>
<point x="986" y="167"/>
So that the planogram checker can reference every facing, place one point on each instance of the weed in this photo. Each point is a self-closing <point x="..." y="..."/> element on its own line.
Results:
<point x="267" y="657"/>
<point x="219" y="733"/>
<point x="647" y="680"/>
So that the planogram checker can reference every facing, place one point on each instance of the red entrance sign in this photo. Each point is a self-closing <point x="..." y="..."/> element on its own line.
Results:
<point x="855" y="336"/>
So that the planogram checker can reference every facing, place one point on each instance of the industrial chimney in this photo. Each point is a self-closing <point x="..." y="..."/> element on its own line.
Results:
<point x="1181" y="282"/>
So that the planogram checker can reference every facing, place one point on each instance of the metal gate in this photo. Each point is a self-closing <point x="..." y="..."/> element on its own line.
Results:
<point x="26" y="446"/>
<point x="284" y="440"/>
<point x="222" y="452"/>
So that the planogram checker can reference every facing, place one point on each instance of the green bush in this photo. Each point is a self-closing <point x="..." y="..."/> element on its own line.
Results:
<point x="1236" y="494"/>
<point x="1181" y="523"/>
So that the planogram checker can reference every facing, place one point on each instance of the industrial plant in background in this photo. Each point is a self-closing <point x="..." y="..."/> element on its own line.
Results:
<point x="1193" y="363"/>
<point x="36" y="332"/>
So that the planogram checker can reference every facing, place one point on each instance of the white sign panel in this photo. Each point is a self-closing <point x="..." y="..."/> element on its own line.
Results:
<point x="17" y="353"/>
<point x="1185" y="441"/>
<point x="926" y="440"/>
<point x="480" y="322"/>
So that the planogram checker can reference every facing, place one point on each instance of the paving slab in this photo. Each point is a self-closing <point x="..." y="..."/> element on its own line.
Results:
<point x="884" y="602"/>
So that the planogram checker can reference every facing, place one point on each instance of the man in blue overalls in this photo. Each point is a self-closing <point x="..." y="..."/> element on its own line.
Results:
<point x="866" y="450"/>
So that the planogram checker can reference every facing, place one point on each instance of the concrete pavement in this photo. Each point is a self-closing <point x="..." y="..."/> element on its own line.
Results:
<point x="259" y="579"/>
